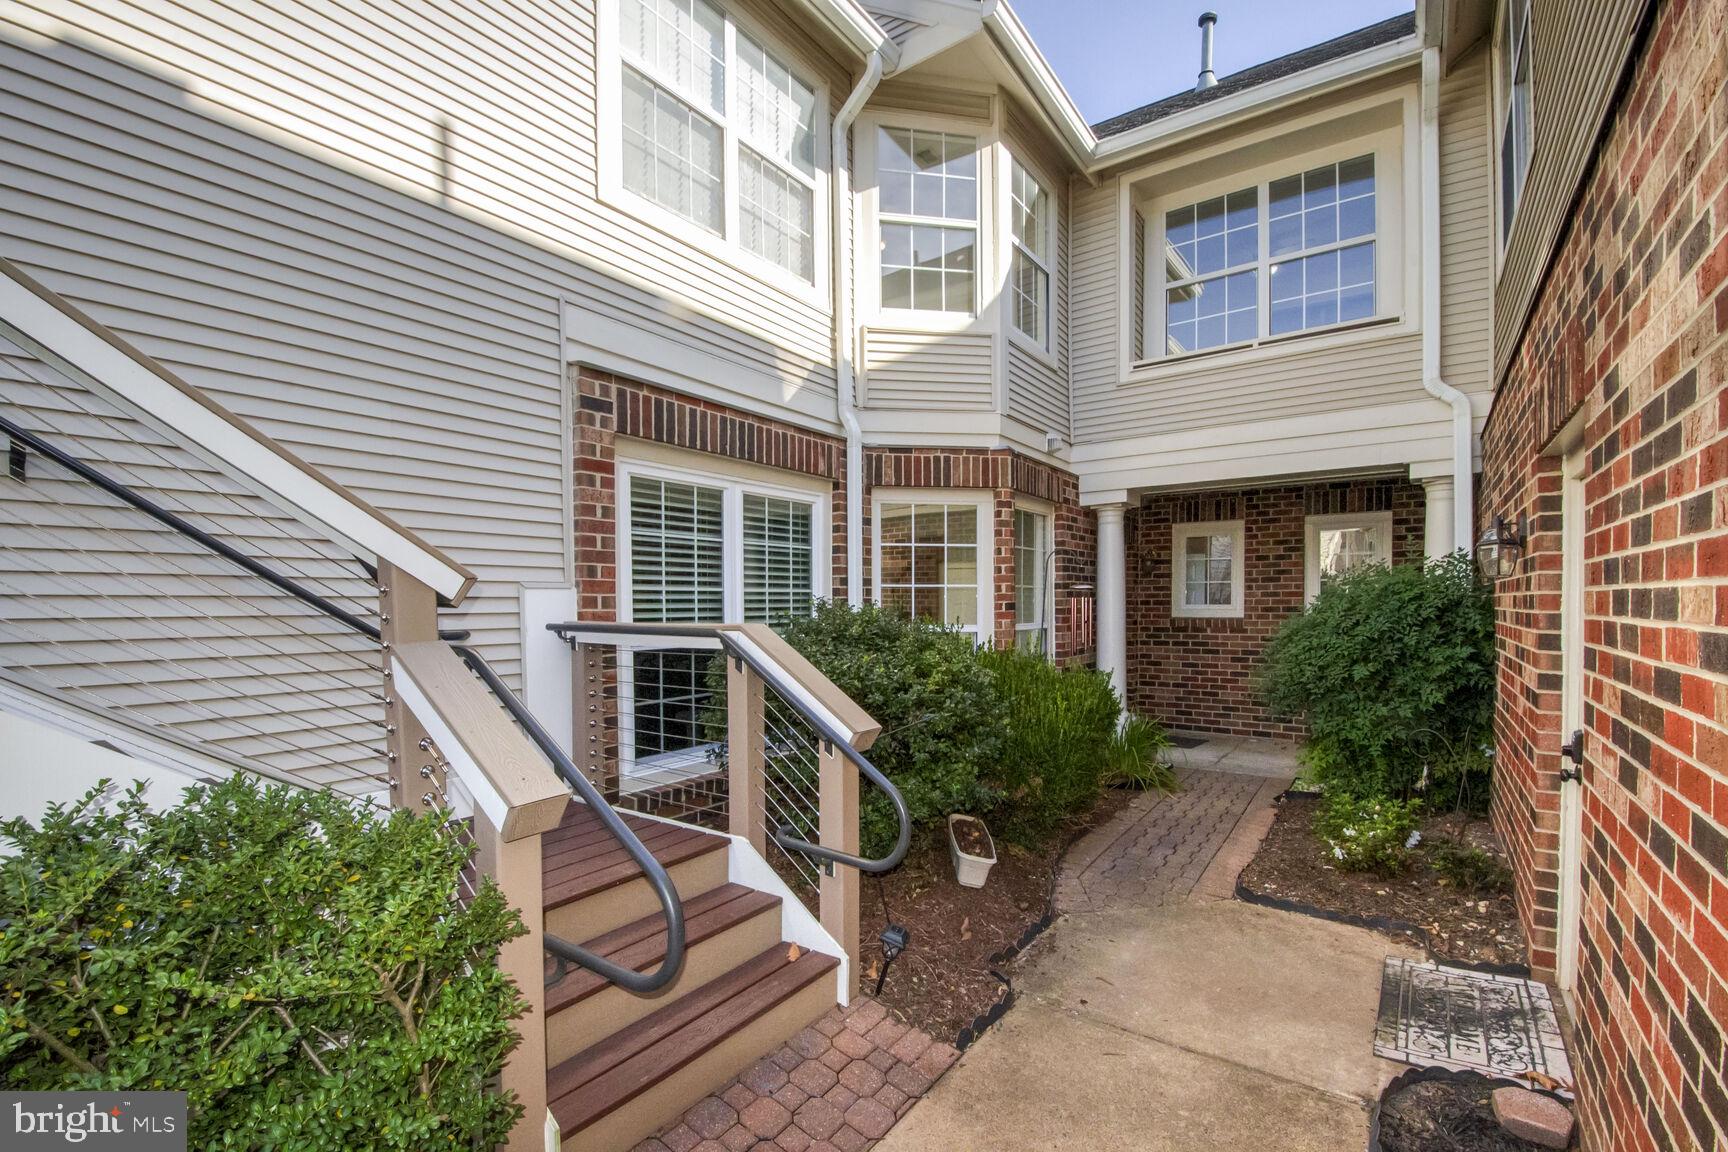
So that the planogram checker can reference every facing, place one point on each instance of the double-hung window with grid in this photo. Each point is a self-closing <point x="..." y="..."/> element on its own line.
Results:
<point x="1029" y="270"/>
<point x="927" y="209"/>
<point x="1512" y="53"/>
<point x="1295" y="254"/>
<point x="699" y="97"/>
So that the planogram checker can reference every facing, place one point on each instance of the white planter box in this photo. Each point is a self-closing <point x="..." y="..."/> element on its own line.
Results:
<point x="970" y="870"/>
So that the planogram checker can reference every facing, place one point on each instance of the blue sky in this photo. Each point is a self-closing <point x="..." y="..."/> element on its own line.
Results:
<point x="1113" y="55"/>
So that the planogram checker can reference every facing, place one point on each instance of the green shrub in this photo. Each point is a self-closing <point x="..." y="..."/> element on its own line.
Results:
<point x="1368" y="835"/>
<point x="1393" y="671"/>
<point x="1471" y="870"/>
<point x="1133" y="756"/>
<point x="940" y="714"/>
<point x="1061" y="723"/>
<point x="290" y="959"/>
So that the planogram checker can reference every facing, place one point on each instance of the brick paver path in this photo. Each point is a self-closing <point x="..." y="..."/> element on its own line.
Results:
<point x="837" y="1086"/>
<point x="1157" y="850"/>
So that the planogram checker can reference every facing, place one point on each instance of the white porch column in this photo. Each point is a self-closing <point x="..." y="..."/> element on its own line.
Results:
<point x="1437" y="528"/>
<point x="1112" y="593"/>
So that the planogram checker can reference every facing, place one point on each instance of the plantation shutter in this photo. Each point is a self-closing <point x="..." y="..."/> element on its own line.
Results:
<point x="778" y="559"/>
<point x="676" y="551"/>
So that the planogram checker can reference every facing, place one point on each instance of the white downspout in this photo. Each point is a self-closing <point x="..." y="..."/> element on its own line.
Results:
<point x="841" y="162"/>
<point x="1464" y="500"/>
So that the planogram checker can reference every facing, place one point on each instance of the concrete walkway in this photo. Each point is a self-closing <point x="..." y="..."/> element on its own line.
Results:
<point x="1159" y="1013"/>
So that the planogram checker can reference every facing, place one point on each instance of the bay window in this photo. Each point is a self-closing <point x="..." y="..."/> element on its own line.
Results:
<point x="1029" y="268"/>
<point x="929" y="561"/>
<point x="1031" y="581"/>
<point x="927" y="211"/>
<point x="1295" y="253"/>
<point x="708" y="113"/>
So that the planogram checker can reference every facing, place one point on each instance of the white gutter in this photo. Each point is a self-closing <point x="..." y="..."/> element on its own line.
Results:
<point x="1464" y="500"/>
<point x="1064" y="115"/>
<point x="840" y="161"/>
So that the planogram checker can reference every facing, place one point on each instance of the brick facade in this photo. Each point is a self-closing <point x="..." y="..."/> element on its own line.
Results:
<point x="610" y="406"/>
<point x="1198" y="673"/>
<point x="1627" y="337"/>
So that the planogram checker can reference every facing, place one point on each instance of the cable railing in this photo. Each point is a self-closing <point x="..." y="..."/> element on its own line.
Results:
<point x="797" y="774"/>
<point x="217" y="678"/>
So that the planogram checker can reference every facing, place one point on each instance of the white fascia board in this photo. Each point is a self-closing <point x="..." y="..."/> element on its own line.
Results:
<point x="1353" y="69"/>
<point x="848" y="20"/>
<point x="52" y="330"/>
<point x="1053" y="99"/>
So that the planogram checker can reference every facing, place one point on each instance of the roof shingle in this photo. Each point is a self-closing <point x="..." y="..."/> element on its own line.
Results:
<point x="1348" y="44"/>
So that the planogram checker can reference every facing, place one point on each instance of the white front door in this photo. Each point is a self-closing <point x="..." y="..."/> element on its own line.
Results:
<point x="1571" y="718"/>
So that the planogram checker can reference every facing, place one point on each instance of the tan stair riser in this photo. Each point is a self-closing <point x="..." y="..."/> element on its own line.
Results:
<point x="592" y="1019"/>
<point x="625" y="1127"/>
<point x="621" y="904"/>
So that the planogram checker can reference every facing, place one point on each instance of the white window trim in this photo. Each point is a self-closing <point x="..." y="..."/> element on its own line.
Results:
<point x="1386" y="148"/>
<point x="867" y="256"/>
<point x="729" y="247"/>
<point x="734" y="479"/>
<point x="1047" y="574"/>
<point x="1178" y="536"/>
<point x="1502" y="112"/>
<point x="1379" y="521"/>
<point x="984" y="628"/>
<point x="1045" y="350"/>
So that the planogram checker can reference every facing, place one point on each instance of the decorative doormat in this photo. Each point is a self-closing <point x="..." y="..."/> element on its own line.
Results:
<point x="1177" y="741"/>
<point x="1435" y="1016"/>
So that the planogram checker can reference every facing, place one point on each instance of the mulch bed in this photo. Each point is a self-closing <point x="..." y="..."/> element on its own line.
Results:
<point x="1294" y="864"/>
<point x="943" y="982"/>
<point x="1446" y="1116"/>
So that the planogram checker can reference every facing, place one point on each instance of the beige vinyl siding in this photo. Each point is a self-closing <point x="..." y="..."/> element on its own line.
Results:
<point x="107" y="612"/>
<point x="354" y="224"/>
<point x="928" y="371"/>
<point x="1293" y="383"/>
<point x="1093" y="361"/>
<point x="1577" y="53"/>
<point x="1038" y="386"/>
<point x="1466" y="227"/>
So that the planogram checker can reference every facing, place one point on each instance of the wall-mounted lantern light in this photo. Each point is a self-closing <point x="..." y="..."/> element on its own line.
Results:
<point x="1499" y="549"/>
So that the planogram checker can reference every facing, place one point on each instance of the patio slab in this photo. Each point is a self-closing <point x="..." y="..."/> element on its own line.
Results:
<point x="1159" y="1013"/>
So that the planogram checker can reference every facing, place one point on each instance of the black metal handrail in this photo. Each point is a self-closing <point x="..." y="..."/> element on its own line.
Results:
<point x="670" y="902"/>
<point x="783" y="836"/>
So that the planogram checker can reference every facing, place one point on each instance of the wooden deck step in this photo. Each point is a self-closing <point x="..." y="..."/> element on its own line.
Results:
<point x="641" y="944"/>
<point x="581" y="857"/>
<point x="619" y="1090"/>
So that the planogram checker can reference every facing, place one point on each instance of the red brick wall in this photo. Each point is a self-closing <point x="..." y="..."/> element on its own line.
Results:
<point x="1628" y="330"/>
<point x="1198" y="673"/>
<point x="610" y="406"/>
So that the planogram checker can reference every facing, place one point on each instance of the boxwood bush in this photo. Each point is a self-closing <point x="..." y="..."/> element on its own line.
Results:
<point x="290" y="959"/>
<point x="1392" y="669"/>
<point x="941" y="716"/>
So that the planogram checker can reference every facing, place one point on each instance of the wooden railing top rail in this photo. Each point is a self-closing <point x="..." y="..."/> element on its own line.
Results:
<point x="496" y="761"/>
<point x="57" y="332"/>
<point x="851" y="715"/>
